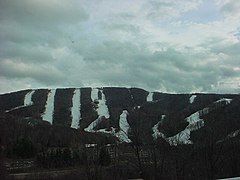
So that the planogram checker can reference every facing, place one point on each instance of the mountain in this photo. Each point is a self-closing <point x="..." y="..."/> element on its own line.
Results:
<point x="121" y="112"/>
<point x="140" y="133"/>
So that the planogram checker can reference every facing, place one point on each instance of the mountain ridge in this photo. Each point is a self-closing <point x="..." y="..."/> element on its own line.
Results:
<point x="100" y="109"/>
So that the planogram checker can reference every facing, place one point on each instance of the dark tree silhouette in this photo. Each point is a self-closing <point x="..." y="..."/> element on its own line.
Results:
<point x="23" y="148"/>
<point x="104" y="157"/>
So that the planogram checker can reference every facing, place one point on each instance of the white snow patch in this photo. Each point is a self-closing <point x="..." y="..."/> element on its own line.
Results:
<point x="102" y="109"/>
<point x="228" y="101"/>
<point x="122" y="134"/>
<point x="192" y="98"/>
<point x="183" y="137"/>
<point x="124" y="128"/>
<point x="193" y="118"/>
<point x="94" y="94"/>
<point x="28" y="98"/>
<point x="156" y="132"/>
<point x="150" y="97"/>
<point x="76" y="115"/>
<point x="27" y="101"/>
<point x="180" y="138"/>
<point x="49" y="107"/>
<point x="195" y="123"/>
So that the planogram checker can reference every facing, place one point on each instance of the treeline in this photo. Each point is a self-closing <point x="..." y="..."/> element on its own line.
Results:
<point x="21" y="148"/>
<point x="156" y="160"/>
<point x="65" y="157"/>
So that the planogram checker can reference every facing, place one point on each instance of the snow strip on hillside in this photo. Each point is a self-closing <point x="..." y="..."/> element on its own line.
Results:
<point x="28" y="98"/>
<point x="182" y="137"/>
<point x="75" y="111"/>
<point x="124" y="128"/>
<point x="49" y="107"/>
<point x="192" y="98"/>
<point x="228" y="101"/>
<point x="122" y="134"/>
<point x="102" y="109"/>
<point x="156" y="132"/>
<point x="94" y="94"/>
<point x="27" y="101"/>
<point x="150" y="97"/>
<point x="195" y="123"/>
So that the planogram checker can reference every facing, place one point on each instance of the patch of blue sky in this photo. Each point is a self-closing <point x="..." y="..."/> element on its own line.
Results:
<point x="206" y="12"/>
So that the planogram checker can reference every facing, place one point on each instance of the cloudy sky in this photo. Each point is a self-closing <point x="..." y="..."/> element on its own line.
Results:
<point x="164" y="45"/>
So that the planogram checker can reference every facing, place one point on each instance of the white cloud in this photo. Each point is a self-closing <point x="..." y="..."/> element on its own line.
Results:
<point x="144" y="43"/>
